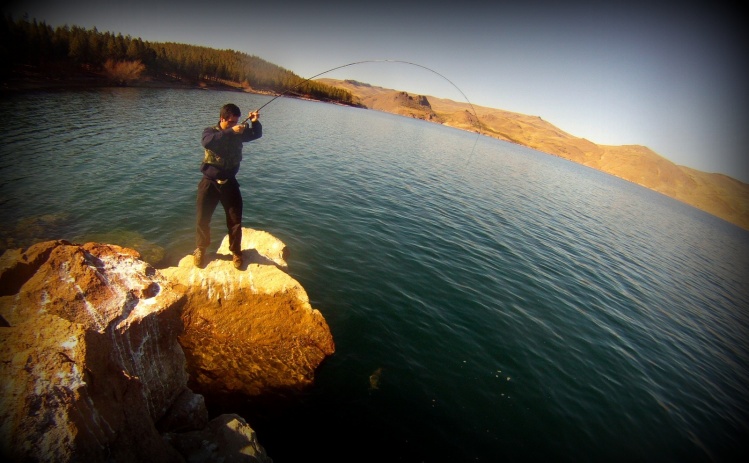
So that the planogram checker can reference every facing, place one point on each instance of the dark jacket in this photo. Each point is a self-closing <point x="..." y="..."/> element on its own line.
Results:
<point x="223" y="150"/>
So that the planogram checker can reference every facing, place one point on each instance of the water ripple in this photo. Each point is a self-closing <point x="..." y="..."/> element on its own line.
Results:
<point x="520" y="306"/>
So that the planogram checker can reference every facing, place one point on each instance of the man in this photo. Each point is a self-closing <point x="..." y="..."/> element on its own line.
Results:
<point x="223" y="154"/>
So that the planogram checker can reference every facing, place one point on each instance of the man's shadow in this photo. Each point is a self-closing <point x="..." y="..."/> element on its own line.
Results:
<point x="250" y="256"/>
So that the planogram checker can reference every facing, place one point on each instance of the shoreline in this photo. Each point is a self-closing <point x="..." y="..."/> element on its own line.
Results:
<point x="31" y="78"/>
<point x="720" y="198"/>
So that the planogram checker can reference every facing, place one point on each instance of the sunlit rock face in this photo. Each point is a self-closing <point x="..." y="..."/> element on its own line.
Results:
<point x="89" y="356"/>
<point x="251" y="330"/>
<point x="98" y="348"/>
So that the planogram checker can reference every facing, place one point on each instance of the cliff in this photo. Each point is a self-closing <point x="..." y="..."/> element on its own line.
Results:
<point x="105" y="358"/>
<point x="716" y="194"/>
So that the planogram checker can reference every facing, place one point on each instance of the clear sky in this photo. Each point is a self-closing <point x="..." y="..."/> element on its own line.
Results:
<point x="673" y="78"/>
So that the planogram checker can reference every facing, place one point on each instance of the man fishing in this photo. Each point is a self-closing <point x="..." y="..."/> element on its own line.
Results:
<point x="223" y="154"/>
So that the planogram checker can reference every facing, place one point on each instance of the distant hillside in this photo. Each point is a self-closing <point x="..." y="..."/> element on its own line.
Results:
<point x="716" y="194"/>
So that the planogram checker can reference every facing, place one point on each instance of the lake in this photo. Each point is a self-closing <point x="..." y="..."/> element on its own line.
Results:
<point x="488" y="302"/>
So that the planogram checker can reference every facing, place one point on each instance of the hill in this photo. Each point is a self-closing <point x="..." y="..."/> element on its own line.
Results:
<point x="716" y="194"/>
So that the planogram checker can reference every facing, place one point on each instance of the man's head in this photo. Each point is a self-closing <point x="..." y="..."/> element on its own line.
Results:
<point x="229" y="115"/>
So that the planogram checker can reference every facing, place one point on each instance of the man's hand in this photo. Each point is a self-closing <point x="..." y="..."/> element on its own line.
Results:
<point x="239" y="128"/>
<point x="254" y="116"/>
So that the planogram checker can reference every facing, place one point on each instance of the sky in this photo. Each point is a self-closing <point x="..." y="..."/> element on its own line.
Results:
<point x="670" y="77"/>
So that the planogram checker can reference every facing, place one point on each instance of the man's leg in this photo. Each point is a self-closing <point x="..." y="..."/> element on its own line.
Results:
<point x="231" y="199"/>
<point x="207" y="199"/>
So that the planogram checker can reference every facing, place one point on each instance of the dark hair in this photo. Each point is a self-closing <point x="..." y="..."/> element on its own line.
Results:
<point x="229" y="110"/>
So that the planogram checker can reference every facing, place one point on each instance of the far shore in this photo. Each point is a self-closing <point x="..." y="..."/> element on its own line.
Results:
<point x="27" y="78"/>
<point x="718" y="195"/>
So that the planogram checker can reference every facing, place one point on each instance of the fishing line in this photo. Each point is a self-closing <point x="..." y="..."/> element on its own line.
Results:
<point x="478" y="126"/>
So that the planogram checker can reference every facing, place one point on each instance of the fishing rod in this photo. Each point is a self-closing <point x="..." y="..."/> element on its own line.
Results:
<point x="478" y="126"/>
<point x="362" y="62"/>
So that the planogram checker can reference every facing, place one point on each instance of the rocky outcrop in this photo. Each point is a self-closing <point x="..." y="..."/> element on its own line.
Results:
<point x="92" y="364"/>
<point x="228" y="438"/>
<point x="250" y="331"/>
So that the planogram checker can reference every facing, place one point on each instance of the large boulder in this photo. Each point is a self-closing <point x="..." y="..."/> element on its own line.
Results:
<point x="252" y="330"/>
<point x="227" y="438"/>
<point x="90" y="363"/>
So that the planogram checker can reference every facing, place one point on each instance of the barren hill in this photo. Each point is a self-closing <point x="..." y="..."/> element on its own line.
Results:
<point x="716" y="194"/>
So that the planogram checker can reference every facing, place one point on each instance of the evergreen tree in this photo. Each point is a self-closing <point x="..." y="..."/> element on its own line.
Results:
<point x="25" y="42"/>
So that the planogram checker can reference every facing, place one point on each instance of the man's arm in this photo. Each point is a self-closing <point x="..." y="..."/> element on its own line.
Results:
<point x="211" y="136"/>
<point x="253" y="132"/>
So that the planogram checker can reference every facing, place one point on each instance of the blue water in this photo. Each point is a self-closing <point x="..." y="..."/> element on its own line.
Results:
<point x="517" y="306"/>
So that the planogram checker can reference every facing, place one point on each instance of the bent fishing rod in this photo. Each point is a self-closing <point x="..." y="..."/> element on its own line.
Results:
<point x="362" y="62"/>
<point x="478" y="125"/>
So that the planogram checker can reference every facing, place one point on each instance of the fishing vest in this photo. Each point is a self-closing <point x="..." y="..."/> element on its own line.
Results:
<point x="231" y="153"/>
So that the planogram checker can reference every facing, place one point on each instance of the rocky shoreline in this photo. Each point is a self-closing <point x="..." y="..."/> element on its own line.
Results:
<point x="104" y="357"/>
